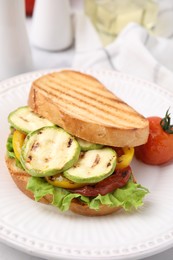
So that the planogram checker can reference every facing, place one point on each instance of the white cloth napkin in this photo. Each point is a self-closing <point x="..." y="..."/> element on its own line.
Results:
<point x="134" y="51"/>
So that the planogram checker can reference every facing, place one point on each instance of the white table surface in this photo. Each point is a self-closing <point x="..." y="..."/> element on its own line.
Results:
<point x="49" y="60"/>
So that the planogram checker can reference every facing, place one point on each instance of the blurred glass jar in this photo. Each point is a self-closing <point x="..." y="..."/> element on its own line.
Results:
<point x="15" y="51"/>
<point x="111" y="16"/>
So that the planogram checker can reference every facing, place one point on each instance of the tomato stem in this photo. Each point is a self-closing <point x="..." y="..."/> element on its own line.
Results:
<point x="166" y="123"/>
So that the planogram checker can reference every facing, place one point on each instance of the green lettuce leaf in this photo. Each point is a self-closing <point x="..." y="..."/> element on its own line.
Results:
<point x="129" y="197"/>
<point x="39" y="187"/>
<point x="9" y="147"/>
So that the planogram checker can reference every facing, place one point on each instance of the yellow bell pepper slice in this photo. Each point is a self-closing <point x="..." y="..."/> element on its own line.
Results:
<point x="59" y="180"/>
<point x="17" y="141"/>
<point x="125" y="159"/>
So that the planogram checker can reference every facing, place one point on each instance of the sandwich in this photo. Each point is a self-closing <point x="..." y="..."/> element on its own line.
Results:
<point x="71" y="146"/>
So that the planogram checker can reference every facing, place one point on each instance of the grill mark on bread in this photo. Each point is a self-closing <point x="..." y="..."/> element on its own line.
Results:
<point x="85" y="79"/>
<point x="107" y="94"/>
<point x="74" y="105"/>
<point x="115" y="103"/>
<point x="109" y="115"/>
<point x="86" y="113"/>
<point x="96" y="97"/>
<point x="34" y="100"/>
<point x="88" y="90"/>
<point x="88" y="86"/>
<point x="99" y="102"/>
<point x="100" y="93"/>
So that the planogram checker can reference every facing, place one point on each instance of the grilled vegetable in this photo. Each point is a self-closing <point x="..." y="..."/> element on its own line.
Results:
<point x="48" y="151"/>
<point x="93" y="166"/>
<point x="125" y="158"/>
<point x="59" y="180"/>
<point x="85" y="146"/>
<point x="17" y="141"/>
<point x="159" y="147"/>
<point x="25" y="120"/>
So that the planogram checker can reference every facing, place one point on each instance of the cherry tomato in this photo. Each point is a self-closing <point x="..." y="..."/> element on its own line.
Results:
<point x="159" y="147"/>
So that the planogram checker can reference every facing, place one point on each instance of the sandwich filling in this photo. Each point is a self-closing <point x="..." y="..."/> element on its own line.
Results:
<point x="68" y="167"/>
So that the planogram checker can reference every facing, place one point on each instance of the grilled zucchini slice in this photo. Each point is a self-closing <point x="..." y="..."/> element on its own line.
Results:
<point x="25" y="120"/>
<point x="48" y="151"/>
<point x="92" y="166"/>
<point x="85" y="146"/>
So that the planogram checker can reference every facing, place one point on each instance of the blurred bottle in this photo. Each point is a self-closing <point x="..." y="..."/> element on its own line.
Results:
<point x="29" y="6"/>
<point x="15" y="52"/>
<point x="52" y="26"/>
<point x="111" y="16"/>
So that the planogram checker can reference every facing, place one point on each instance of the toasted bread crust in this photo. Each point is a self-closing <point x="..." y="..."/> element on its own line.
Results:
<point x="82" y="209"/>
<point x="85" y="108"/>
<point x="20" y="177"/>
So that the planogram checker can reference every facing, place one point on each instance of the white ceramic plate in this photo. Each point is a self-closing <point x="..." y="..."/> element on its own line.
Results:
<point x="44" y="231"/>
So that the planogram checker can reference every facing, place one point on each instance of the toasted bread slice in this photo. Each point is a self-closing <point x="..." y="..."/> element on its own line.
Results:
<point x="81" y="105"/>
